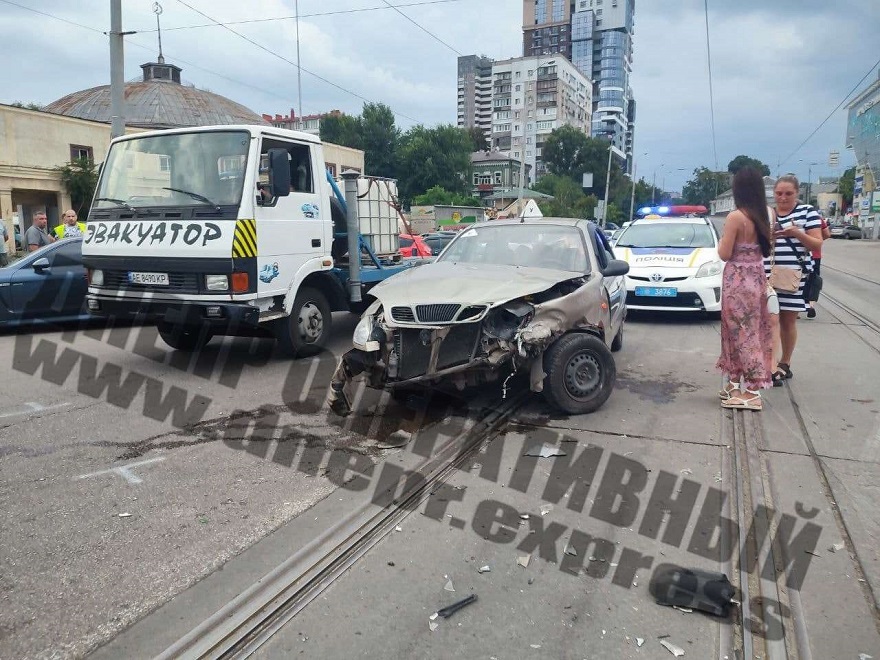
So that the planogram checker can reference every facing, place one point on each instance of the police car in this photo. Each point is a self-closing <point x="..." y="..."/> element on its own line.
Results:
<point x="672" y="253"/>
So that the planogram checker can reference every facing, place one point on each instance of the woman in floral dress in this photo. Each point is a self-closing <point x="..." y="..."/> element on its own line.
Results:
<point x="746" y="340"/>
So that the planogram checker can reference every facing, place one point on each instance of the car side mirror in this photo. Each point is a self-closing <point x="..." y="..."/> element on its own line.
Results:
<point x="279" y="172"/>
<point x="40" y="264"/>
<point x="615" y="268"/>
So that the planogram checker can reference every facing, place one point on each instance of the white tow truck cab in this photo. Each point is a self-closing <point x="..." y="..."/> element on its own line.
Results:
<point x="229" y="230"/>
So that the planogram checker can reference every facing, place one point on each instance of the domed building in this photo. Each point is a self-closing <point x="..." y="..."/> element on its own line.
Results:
<point x="160" y="100"/>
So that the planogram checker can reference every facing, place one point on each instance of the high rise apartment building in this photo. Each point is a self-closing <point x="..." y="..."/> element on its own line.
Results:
<point x="532" y="96"/>
<point x="596" y="36"/>
<point x="475" y="92"/>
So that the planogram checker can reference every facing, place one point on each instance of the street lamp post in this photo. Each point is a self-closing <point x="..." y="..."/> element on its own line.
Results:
<point x="607" y="182"/>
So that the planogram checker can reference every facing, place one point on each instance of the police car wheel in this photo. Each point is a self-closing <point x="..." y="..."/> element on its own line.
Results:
<point x="306" y="330"/>
<point x="580" y="373"/>
<point x="184" y="338"/>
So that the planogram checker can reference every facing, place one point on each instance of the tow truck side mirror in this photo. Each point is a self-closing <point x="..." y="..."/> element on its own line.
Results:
<point x="279" y="172"/>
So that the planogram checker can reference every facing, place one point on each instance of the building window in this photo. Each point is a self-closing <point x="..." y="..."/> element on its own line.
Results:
<point x="497" y="180"/>
<point x="331" y="167"/>
<point x="518" y="88"/>
<point x="78" y="151"/>
<point x="164" y="163"/>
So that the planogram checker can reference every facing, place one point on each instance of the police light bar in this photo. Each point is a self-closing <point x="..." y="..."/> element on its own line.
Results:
<point x="677" y="209"/>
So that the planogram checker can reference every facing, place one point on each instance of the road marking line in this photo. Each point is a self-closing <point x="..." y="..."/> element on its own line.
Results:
<point x="33" y="406"/>
<point x="123" y="471"/>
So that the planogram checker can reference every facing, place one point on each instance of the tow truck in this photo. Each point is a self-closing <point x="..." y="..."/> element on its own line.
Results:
<point x="235" y="230"/>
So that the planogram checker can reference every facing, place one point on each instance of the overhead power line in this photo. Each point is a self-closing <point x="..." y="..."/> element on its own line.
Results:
<point x="830" y="114"/>
<point x="313" y="15"/>
<point x="292" y="63"/>
<point x="423" y="29"/>
<point x="133" y="42"/>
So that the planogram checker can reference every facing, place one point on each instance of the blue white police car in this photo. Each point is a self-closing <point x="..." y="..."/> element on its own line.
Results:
<point x="673" y="260"/>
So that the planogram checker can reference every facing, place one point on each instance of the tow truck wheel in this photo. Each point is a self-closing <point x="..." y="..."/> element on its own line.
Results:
<point x="184" y="338"/>
<point x="580" y="373"/>
<point x="306" y="331"/>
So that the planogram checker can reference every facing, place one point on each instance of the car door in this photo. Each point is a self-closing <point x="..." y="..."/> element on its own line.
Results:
<point x="50" y="283"/>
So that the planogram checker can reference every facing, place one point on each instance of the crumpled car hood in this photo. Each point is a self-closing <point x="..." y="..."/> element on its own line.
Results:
<point x="466" y="284"/>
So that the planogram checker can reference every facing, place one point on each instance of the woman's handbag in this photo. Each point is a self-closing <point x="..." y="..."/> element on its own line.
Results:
<point x="787" y="280"/>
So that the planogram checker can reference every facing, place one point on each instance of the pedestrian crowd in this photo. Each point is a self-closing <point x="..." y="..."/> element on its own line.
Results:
<point x="771" y="276"/>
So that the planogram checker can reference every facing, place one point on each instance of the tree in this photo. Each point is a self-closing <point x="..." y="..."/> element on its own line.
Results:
<point x="705" y="186"/>
<point x="740" y="162"/>
<point x="569" y="199"/>
<point x="378" y="138"/>
<point x="30" y="106"/>
<point x="439" y="156"/>
<point x="342" y="130"/>
<point x="80" y="178"/>
<point x="478" y="137"/>
<point x="439" y="195"/>
<point x="569" y="152"/>
<point x="846" y="187"/>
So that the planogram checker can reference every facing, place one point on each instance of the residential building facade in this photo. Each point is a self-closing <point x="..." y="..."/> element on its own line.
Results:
<point x="596" y="36"/>
<point x="494" y="172"/>
<point x="532" y="96"/>
<point x="307" y="123"/>
<point x="475" y="92"/>
<point x="863" y="137"/>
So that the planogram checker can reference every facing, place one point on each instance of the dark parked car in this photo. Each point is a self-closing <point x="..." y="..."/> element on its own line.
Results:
<point x="46" y="285"/>
<point x="438" y="240"/>
<point x="846" y="231"/>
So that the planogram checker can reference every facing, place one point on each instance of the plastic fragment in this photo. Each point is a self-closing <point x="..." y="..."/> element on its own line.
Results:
<point x="682" y="609"/>
<point x="449" y="586"/>
<point x="836" y="547"/>
<point x="398" y="529"/>
<point x="535" y="646"/>
<point x="545" y="451"/>
<point x="484" y="569"/>
<point x="547" y="508"/>
<point x="433" y="626"/>
<point x="524" y="560"/>
<point x="640" y="641"/>
<point x="434" y="616"/>
<point x="524" y="516"/>
<point x="677" y="651"/>
<point x="569" y="550"/>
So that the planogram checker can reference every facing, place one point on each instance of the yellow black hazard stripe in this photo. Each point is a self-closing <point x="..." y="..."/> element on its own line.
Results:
<point x="244" y="242"/>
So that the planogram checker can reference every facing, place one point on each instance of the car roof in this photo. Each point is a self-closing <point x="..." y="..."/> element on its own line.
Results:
<point x="570" y="222"/>
<point x="676" y="219"/>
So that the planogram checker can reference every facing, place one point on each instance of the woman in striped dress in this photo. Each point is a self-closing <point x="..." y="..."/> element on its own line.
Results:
<point x="797" y="231"/>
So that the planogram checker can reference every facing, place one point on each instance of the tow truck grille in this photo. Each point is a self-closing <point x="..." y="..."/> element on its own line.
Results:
<point x="177" y="282"/>
<point x="458" y="348"/>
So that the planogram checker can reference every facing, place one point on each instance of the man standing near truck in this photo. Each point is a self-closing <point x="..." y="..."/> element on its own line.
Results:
<point x="36" y="237"/>
<point x="69" y="227"/>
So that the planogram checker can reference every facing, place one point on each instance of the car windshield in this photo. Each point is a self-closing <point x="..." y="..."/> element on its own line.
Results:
<point x="181" y="169"/>
<point x="530" y="245"/>
<point x="667" y="234"/>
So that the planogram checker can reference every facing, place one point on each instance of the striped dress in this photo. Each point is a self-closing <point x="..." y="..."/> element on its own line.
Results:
<point x="806" y="217"/>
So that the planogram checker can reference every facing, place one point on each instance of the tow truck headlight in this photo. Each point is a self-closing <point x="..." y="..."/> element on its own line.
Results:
<point x="96" y="277"/>
<point x="710" y="268"/>
<point x="216" y="282"/>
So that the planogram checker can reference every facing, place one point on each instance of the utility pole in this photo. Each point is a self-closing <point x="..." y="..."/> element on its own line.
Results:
<point x="299" y="92"/>
<point x="607" y="183"/>
<point x="117" y="71"/>
<point x="632" y="197"/>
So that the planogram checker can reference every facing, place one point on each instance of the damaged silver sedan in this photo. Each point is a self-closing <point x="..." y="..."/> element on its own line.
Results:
<point x="541" y="297"/>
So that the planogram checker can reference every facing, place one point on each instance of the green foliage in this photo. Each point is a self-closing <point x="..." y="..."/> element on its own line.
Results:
<point x="342" y="130"/>
<point x="569" y="199"/>
<point x="80" y="178"/>
<point x="847" y="185"/>
<point x="378" y="137"/>
<point x="429" y="157"/>
<point x="441" y="196"/>
<point x="705" y="186"/>
<point x="740" y="162"/>
<point x="479" y="138"/>
<point x="569" y="152"/>
<point x="29" y="106"/>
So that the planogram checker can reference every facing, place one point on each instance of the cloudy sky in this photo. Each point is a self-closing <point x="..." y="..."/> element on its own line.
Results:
<point x="779" y="68"/>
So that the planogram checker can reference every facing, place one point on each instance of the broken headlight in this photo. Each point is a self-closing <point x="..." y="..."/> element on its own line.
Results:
<point x="503" y="322"/>
<point x="366" y="334"/>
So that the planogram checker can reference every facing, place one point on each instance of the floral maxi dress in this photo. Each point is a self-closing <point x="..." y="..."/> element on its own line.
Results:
<point x="746" y="337"/>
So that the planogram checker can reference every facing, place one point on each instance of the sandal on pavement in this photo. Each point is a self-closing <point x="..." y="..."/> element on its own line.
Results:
<point x="748" y="400"/>
<point x="783" y="372"/>
<point x="726" y="392"/>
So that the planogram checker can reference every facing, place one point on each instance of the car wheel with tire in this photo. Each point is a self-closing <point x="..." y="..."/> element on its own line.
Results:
<point x="580" y="373"/>
<point x="184" y="337"/>
<point x="306" y="331"/>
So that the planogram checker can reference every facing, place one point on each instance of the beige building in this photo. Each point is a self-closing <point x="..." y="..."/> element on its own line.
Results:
<point x="33" y="144"/>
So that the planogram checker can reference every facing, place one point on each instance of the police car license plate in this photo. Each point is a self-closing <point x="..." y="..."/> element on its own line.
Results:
<point x="657" y="291"/>
<point x="158" y="279"/>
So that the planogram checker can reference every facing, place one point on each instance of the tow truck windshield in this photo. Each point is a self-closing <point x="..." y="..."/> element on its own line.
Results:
<point x="181" y="169"/>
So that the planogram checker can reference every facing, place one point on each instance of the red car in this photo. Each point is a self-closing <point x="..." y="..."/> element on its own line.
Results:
<point x="412" y="245"/>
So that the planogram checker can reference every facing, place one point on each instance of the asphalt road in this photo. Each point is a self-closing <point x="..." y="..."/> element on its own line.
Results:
<point x="75" y="458"/>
